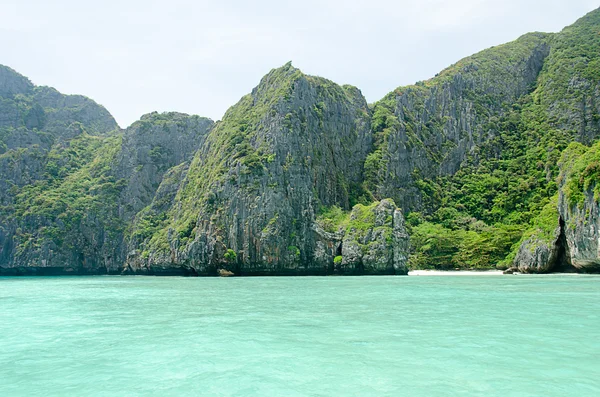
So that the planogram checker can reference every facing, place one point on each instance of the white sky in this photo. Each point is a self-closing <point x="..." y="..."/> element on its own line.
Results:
<point x="200" y="57"/>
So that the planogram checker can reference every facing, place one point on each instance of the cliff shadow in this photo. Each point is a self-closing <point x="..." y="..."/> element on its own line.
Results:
<point x="561" y="261"/>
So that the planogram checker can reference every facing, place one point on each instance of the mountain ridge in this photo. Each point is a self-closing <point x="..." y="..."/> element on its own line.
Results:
<point x="302" y="176"/>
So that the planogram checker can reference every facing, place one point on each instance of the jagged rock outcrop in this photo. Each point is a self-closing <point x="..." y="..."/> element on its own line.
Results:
<point x="539" y="255"/>
<point x="535" y="256"/>
<point x="427" y="130"/>
<point x="295" y="144"/>
<point x="375" y="241"/>
<point x="150" y="147"/>
<point x="12" y="83"/>
<point x="579" y="206"/>
<point x="368" y="240"/>
<point x="75" y="219"/>
<point x="582" y="233"/>
<point x="566" y="236"/>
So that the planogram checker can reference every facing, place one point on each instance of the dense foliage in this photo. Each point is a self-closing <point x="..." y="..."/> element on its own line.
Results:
<point x="506" y="187"/>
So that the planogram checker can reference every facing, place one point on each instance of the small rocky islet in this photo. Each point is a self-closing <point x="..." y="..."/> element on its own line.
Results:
<point x="493" y="163"/>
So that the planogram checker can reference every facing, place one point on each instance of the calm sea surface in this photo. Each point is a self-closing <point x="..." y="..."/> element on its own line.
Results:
<point x="303" y="336"/>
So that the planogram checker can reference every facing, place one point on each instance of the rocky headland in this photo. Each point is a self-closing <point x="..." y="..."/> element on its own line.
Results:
<point x="491" y="164"/>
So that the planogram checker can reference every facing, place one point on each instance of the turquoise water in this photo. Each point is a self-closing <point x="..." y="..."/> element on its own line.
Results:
<point x="304" y="336"/>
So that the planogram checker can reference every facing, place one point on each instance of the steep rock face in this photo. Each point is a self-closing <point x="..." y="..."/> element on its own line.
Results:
<point x="582" y="233"/>
<point x="12" y="83"/>
<point x="149" y="220"/>
<point x="538" y="255"/>
<point x="566" y="236"/>
<point x="476" y="215"/>
<point x="578" y="206"/>
<point x="375" y="241"/>
<point x="75" y="219"/>
<point x="569" y="86"/>
<point x="31" y="124"/>
<point x="428" y="129"/>
<point x="150" y="147"/>
<point x="294" y="145"/>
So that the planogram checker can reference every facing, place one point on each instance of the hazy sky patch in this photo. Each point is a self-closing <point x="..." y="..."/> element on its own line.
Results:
<point x="200" y="57"/>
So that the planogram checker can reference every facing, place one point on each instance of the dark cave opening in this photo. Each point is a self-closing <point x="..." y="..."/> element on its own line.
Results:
<point x="562" y="256"/>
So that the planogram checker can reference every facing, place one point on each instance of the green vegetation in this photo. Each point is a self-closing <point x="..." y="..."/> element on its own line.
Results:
<point x="507" y="185"/>
<point x="74" y="193"/>
<point x="440" y="247"/>
<point x="294" y="251"/>
<point x="333" y="218"/>
<point x="230" y="256"/>
<point x="580" y="172"/>
<point x="545" y="223"/>
<point x="360" y="219"/>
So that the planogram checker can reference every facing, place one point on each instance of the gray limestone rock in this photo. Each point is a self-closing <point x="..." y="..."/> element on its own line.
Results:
<point x="312" y="138"/>
<point x="438" y="123"/>
<point x="582" y="231"/>
<point x="536" y="255"/>
<point x="375" y="242"/>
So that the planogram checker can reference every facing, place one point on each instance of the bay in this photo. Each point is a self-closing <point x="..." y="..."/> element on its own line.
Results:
<point x="300" y="336"/>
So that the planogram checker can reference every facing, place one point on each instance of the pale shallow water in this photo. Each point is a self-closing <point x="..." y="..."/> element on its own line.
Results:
<point x="303" y="336"/>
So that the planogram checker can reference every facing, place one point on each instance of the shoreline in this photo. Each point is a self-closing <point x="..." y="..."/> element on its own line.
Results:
<point x="455" y="273"/>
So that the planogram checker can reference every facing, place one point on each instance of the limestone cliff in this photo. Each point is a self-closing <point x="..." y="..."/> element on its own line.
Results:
<point x="579" y="207"/>
<point x="75" y="217"/>
<point x="296" y="144"/>
<point x="428" y="129"/>
<point x="489" y="161"/>
<point x="566" y="236"/>
<point x="569" y="93"/>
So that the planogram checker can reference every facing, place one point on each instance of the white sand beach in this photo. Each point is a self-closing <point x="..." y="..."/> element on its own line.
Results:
<point x="455" y="273"/>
